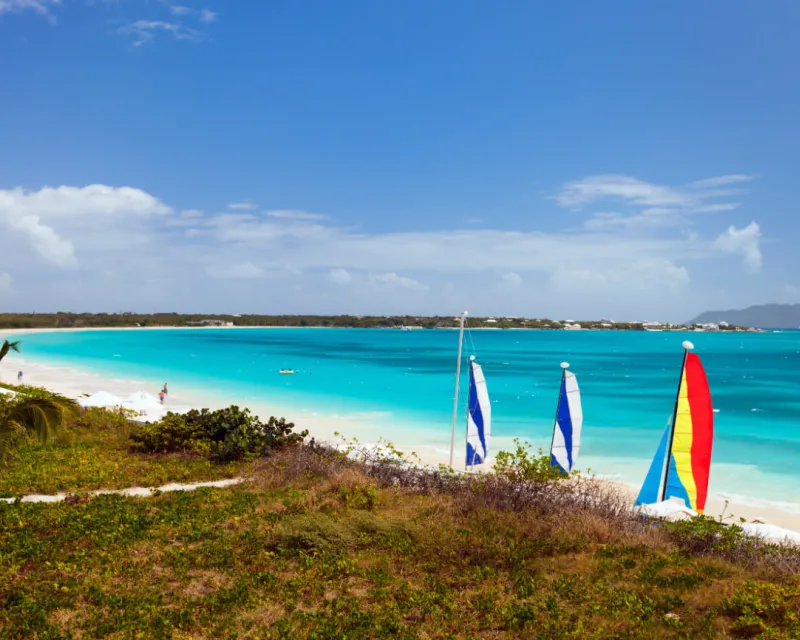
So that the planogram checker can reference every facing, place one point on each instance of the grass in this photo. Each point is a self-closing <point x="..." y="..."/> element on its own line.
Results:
<point x="99" y="459"/>
<point x="320" y="547"/>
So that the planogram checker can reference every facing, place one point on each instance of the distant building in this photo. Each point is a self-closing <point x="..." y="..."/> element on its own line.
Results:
<point x="491" y="321"/>
<point x="724" y="324"/>
<point x="209" y="323"/>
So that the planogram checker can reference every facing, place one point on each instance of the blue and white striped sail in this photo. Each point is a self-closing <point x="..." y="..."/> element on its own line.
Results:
<point x="569" y="420"/>
<point x="479" y="417"/>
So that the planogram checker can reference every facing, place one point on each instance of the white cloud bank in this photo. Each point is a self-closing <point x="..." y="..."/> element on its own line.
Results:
<point x="133" y="251"/>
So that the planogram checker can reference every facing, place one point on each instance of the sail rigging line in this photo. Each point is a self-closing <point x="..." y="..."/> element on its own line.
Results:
<point x="462" y="321"/>
<point x="687" y="346"/>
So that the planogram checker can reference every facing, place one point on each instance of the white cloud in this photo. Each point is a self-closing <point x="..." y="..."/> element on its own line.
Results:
<point x="658" y="205"/>
<point x="240" y="270"/>
<point x="42" y="7"/>
<point x="646" y="275"/>
<point x="36" y="216"/>
<point x="745" y="242"/>
<point x="95" y="199"/>
<point x="511" y="280"/>
<point x="340" y="276"/>
<point x="291" y="214"/>
<point x="242" y="206"/>
<point x="45" y="241"/>
<point x="5" y="282"/>
<point x="144" y="31"/>
<point x="716" y="208"/>
<point x="392" y="280"/>
<point x="594" y="188"/>
<point x="204" y="15"/>
<point x="721" y="181"/>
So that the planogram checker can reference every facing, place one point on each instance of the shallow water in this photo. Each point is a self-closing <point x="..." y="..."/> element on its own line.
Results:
<point x="405" y="379"/>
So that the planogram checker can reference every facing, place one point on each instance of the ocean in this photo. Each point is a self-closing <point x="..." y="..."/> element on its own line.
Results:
<point x="402" y="382"/>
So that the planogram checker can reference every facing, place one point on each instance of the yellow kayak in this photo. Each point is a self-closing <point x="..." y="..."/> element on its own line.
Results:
<point x="286" y="372"/>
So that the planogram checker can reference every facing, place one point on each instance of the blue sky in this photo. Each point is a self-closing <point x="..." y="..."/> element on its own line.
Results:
<point x="575" y="159"/>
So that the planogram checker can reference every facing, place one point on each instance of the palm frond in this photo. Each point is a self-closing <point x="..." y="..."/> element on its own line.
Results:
<point x="8" y="346"/>
<point x="39" y="417"/>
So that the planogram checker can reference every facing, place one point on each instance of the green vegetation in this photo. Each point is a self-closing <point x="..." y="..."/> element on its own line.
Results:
<point x="100" y="459"/>
<point x="318" y="545"/>
<point x="223" y="435"/>
<point x="121" y="320"/>
<point x="28" y="414"/>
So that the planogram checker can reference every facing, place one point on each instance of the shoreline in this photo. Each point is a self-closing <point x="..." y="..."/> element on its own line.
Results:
<point x="367" y="428"/>
<point x="10" y="332"/>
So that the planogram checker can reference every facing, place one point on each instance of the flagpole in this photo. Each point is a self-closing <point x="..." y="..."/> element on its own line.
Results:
<point x="687" y="347"/>
<point x="461" y="320"/>
<point x="564" y="366"/>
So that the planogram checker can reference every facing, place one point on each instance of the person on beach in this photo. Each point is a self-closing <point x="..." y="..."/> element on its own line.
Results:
<point x="19" y="378"/>
<point x="313" y="442"/>
<point x="161" y="396"/>
<point x="165" y="390"/>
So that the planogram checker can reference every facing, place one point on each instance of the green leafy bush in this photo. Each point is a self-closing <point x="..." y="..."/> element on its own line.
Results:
<point x="522" y="465"/>
<point x="223" y="435"/>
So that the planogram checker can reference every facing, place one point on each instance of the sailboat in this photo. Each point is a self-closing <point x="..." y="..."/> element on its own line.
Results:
<point x="479" y="409"/>
<point x="680" y="468"/>
<point x="479" y="416"/>
<point x="569" y="419"/>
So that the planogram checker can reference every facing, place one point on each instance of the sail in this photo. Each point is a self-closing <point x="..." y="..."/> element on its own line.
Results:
<point x="569" y="420"/>
<point x="690" y="459"/>
<point x="652" y="487"/>
<point x="479" y="418"/>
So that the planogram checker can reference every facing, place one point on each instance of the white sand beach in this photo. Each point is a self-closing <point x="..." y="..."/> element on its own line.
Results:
<point x="367" y="429"/>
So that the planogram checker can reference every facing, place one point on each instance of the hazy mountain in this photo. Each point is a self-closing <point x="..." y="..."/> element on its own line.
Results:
<point x="773" y="316"/>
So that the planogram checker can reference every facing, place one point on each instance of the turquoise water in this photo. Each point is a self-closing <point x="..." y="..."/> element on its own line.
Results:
<point x="628" y="383"/>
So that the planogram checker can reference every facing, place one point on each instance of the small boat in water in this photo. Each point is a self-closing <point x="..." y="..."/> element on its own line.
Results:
<point x="681" y="466"/>
<point x="285" y="372"/>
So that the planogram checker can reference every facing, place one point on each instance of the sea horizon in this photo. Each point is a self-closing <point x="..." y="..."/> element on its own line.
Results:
<point x="398" y="386"/>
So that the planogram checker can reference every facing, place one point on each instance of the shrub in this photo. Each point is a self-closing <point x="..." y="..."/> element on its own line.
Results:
<point x="104" y="419"/>
<point x="522" y="465"/>
<point x="224" y="435"/>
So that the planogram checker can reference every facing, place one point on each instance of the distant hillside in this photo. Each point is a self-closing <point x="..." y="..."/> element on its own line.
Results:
<point x="772" y="316"/>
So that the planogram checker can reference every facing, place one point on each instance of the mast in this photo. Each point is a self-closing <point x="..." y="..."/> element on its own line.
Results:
<point x="687" y="346"/>
<point x="461" y="320"/>
<point x="466" y="434"/>
<point x="564" y="367"/>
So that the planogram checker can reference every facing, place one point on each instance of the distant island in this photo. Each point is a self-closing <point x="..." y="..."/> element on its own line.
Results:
<point x="765" y="316"/>
<point x="66" y="320"/>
